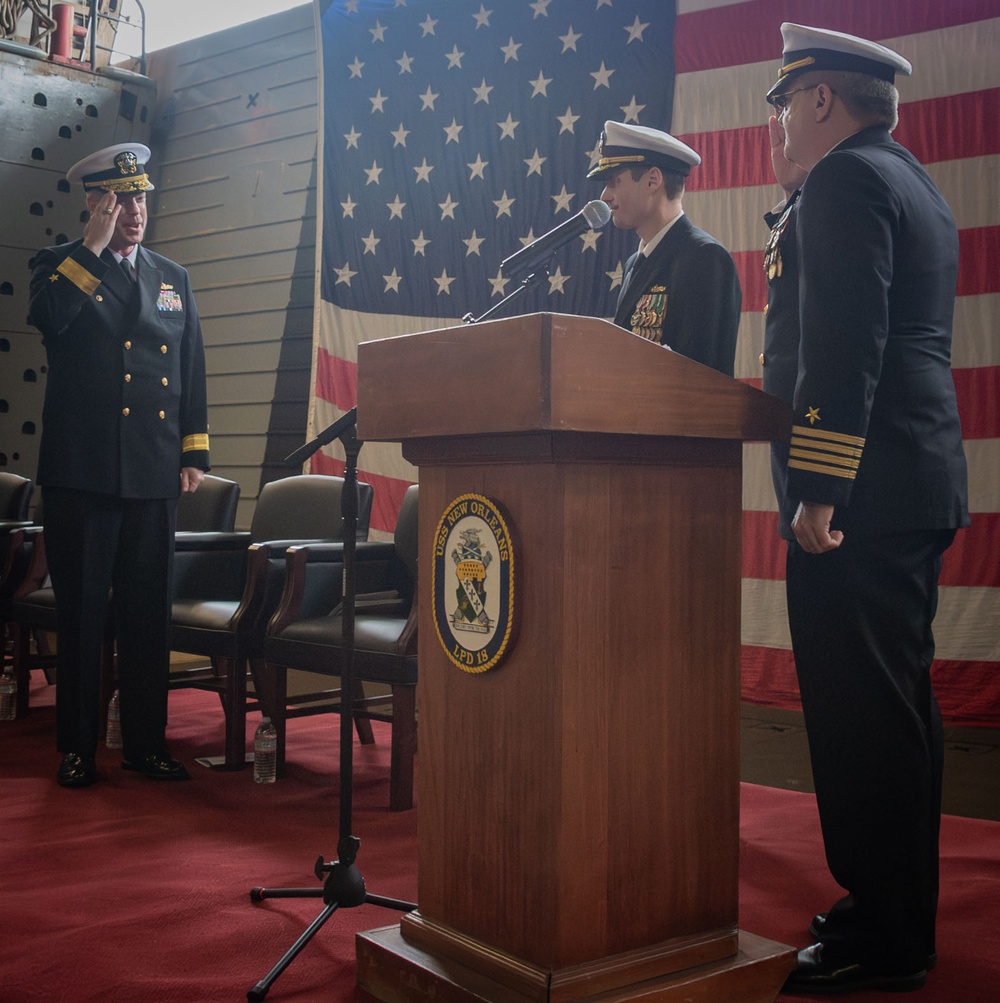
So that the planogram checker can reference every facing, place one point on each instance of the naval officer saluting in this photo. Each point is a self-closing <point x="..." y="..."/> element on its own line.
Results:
<point x="124" y="432"/>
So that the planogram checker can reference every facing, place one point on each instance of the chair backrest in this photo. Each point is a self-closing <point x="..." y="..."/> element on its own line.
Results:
<point x="306" y="507"/>
<point x="210" y="509"/>
<point x="405" y="537"/>
<point x="15" y="496"/>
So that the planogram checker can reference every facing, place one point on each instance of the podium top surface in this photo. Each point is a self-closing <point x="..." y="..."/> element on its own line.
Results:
<point x="551" y="372"/>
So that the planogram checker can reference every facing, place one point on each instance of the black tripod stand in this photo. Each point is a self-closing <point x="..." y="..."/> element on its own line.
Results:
<point x="344" y="885"/>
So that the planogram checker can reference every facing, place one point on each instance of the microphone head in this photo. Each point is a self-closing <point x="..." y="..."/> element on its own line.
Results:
<point x="596" y="214"/>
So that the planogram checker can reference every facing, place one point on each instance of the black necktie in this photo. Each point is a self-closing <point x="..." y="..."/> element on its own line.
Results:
<point x="627" y="279"/>
<point x="127" y="269"/>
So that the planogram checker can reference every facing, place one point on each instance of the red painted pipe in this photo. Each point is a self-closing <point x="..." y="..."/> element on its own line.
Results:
<point x="62" y="37"/>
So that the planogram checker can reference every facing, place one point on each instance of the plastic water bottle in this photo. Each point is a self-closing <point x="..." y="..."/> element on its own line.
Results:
<point x="8" y="694"/>
<point x="113" y="736"/>
<point x="265" y="753"/>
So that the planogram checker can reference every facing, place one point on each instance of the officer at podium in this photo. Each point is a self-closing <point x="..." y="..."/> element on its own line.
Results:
<point x="680" y="288"/>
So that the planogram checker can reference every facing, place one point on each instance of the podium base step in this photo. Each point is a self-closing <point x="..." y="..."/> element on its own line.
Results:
<point x="395" y="971"/>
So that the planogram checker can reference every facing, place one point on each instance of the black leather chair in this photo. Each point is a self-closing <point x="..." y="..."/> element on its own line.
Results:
<point x="227" y="585"/>
<point x="33" y="619"/>
<point x="15" y="543"/>
<point x="306" y="634"/>
<point x="15" y="497"/>
<point x="210" y="509"/>
<point x="32" y="607"/>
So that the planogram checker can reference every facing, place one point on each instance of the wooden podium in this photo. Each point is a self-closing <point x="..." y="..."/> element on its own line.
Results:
<point x="578" y="821"/>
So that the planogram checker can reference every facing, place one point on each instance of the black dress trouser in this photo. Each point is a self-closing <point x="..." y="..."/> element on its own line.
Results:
<point x="860" y="619"/>
<point x="108" y="553"/>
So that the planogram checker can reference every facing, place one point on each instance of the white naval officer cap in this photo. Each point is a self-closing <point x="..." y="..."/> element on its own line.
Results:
<point x="625" y="145"/>
<point x="807" y="49"/>
<point x="119" y="168"/>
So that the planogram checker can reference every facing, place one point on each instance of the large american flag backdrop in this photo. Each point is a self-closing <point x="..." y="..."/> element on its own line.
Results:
<point x="455" y="131"/>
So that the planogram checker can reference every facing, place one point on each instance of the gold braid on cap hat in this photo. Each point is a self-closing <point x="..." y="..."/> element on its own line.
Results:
<point x="615" y="161"/>
<point x="797" y="65"/>
<point x="137" y="183"/>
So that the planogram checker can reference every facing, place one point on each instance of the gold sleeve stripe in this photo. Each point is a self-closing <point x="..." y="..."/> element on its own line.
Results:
<point x="79" y="276"/>
<point x="817" y="468"/>
<point x="818" y="433"/>
<point x="191" y="443"/>
<point x="828" y="447"/>
<point x="819" y="456"/>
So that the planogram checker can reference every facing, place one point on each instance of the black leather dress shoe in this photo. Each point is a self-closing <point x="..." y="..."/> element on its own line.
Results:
<point x="157" y="766"/>
<point x="818" y="924"/>
<point x="816" y="975"/>
<point x="76" y="771"/>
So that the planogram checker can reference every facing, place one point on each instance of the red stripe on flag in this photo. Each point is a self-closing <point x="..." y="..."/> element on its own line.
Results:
<point x="750" y="268"/>
<point x="763" y="548"/>
<point x="952" y="127"/>
<point x="739" y="33"/>
<point x="768" y="677"/>
<point x="967" y="692"/>
<point x="969" y="562"/>
<point x="947" y="128"/>
<point x="979" y="261"/>
<point x="732" y="158"/>
<point x="388" y="491"/>
<point x="336" y="380"/>
<point x="978" y="392"/>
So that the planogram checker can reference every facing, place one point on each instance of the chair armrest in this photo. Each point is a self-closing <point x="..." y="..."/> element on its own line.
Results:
<point x="38" y="566"/>
<point x="186" y="541"/>
<point x="390" y="603"/>
<point x="11" y="547"/>
<point x="364" y="550"/>
<point x="289" y="607"/>
<point x="210" y="569"/>
<point x="407" y="643"/>
<point x="9" y="525"/>
<point x="313" y="584"/>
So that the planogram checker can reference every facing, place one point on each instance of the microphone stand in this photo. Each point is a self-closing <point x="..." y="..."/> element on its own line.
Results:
<point x="344" y="885"/>
<point x="538" y="275"/>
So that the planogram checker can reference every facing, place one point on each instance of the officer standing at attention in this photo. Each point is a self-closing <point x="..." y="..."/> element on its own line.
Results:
<point x="680" y="288"/>
<point x="862" y="268"/>
<point x="124" y="432"/>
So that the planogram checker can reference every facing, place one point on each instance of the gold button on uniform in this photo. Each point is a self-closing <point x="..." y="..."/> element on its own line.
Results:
<point x="128" y="377"/>
<point x="164" y="381"/>
<point x="125" y="411"/>
<point x="762" y="358"/>
<point x="766" y="305"/>
<point x="163" y="349"/>
<point x="163" y="414"/>
<point x="128" y="345"/>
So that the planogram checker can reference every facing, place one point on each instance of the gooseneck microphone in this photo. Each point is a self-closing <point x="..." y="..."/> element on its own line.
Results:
<point x="592" y="216"/>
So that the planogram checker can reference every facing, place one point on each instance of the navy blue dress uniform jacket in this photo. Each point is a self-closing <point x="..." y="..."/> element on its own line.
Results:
<point x="876" y="429"/>
<point x="125" y="405"/>
<point x="685" y="295"/>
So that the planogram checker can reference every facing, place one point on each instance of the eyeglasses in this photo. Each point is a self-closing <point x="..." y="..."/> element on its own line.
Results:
<point x="780" y="101"/>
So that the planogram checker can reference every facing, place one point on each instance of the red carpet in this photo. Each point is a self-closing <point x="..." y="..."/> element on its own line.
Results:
<point x="130" y="890"/>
